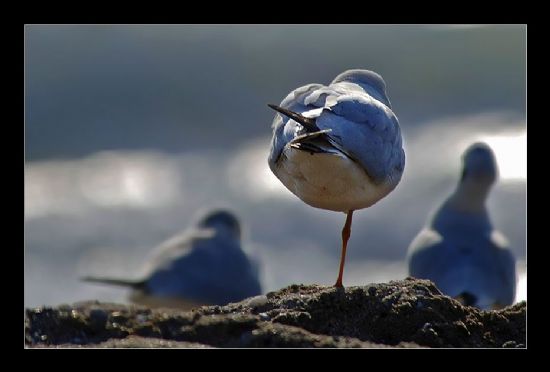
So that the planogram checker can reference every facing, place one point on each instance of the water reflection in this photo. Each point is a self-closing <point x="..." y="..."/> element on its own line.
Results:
<point x="104" y="180"/>
<point x="511" y="152"/>
<point x="248" y="173"/>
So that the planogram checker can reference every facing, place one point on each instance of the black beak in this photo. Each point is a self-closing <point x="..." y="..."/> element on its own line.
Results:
<point x="307" y="123"/>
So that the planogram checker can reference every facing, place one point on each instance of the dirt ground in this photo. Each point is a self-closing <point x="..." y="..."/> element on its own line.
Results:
<point x="407" y="313"/>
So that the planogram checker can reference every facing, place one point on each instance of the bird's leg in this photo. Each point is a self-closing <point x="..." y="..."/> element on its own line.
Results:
<point x="346" y="232"/>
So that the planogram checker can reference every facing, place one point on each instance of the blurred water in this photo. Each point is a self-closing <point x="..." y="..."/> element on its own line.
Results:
<point x="174" y="88"/>
<point x="131" y="130"/>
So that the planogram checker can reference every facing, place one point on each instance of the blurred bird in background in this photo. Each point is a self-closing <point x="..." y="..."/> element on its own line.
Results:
<point x="338" y="147"/>
<point x="204" y="265"/>
<point x="459" y="250"/>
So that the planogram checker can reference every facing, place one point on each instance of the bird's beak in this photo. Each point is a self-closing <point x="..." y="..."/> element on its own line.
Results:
<point x="307" y="123"/>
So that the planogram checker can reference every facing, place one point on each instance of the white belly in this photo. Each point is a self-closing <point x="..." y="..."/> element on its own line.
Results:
<point x="328" y="181"/>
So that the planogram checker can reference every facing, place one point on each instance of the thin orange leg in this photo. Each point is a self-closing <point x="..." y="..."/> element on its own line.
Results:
<point x="346" y="233"/>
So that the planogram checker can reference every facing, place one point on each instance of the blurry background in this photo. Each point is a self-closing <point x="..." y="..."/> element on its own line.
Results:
<point x="130" y="130"/>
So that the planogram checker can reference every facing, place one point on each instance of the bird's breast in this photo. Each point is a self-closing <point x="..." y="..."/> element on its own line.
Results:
<point x="328" y="180"/>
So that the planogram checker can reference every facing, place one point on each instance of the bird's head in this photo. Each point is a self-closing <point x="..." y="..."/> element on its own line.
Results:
<point x="223" y="222"/>
<point x="370" y="81"/>
<point x="479" y="164"/>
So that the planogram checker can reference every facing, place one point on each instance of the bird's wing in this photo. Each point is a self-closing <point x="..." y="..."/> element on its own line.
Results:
<point x="284" y="129"/>
<point x="434" y="257"/>
<point x="177" y="246"/>
<point x="295" y="100"/>
<point x="424" y="252"/>
<point x="507" y="264"/>
<point x="364" y="127"/>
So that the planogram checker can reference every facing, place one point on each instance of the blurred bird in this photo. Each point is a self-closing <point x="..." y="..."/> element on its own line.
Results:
<point x="459" y="250"/>
<point x="338" y="147"/>
<point x="204" y="265"/>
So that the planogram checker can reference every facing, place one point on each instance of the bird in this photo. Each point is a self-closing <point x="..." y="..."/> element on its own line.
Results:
<point x="459" y="249"/>
<point x="338" y="147"/>
<point x="202" y="265"/>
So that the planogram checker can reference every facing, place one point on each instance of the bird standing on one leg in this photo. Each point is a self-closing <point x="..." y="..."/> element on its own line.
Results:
<point x="459" y="250"/>
<point x="338" y="147"/>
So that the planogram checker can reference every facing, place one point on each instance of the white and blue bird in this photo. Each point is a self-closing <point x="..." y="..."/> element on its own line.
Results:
<point x="338" y="147"/>
<point x="203" y="265"/>
<point x="459" y="249"/>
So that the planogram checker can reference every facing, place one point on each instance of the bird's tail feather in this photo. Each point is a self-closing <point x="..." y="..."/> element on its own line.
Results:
<point x="136" y="284"/>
